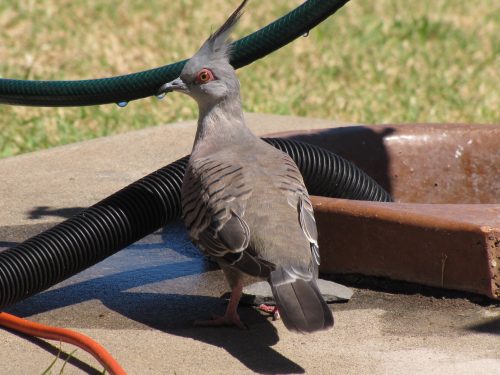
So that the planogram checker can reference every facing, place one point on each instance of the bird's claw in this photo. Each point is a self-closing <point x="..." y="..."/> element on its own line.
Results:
<point x="273" y="310"/>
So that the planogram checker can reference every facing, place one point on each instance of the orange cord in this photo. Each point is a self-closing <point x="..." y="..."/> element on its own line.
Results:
<point x="65" y="335"/>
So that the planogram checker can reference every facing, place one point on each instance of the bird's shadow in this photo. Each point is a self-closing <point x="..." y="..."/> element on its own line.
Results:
<point x="128" y="293"/>
<point x="252" y="347"/>
<point x="175" y="314"/>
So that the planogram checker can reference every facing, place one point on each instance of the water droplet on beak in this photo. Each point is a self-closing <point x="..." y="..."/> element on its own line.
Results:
<point x="122" y="104"/>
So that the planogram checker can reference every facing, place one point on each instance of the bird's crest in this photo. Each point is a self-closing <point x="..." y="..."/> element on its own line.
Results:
<point x="218" y="44"/>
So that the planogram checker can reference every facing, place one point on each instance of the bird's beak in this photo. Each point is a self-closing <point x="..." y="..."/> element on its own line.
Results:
<point x="175" y="85"/>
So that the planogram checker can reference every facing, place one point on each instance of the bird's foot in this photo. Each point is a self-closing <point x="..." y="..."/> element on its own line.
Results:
<point x="273" y="310"/>
<point x="218" y="321"/>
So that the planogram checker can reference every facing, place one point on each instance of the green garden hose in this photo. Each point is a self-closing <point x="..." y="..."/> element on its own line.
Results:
<point x="124" y="88"/>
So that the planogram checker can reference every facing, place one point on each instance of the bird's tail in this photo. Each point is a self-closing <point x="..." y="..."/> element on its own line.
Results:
<point x="300" y="303"/>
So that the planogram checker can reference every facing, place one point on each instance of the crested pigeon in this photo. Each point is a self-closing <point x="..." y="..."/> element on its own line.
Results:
<point x="244" y="202"/>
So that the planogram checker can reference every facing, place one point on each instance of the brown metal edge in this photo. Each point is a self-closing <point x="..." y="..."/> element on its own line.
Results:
<point x="472" y="268"/>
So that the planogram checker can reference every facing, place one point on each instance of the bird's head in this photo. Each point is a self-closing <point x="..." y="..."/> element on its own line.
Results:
<point x="208" y="76"/>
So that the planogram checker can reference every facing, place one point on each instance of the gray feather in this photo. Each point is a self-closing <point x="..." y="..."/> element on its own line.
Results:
<point x="301" y="305"/>
<point x="217" y="45"/>
<point x="248" y="263"/>
<point x="220" y="37"/>
<point x="214" y="195"/>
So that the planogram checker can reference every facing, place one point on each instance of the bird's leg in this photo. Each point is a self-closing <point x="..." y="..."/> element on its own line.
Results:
<point x="273" y="310"/>
<point x="231" y="317"/>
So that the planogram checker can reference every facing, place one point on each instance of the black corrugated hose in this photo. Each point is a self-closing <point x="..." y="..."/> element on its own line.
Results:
<point x="145" y="206"/>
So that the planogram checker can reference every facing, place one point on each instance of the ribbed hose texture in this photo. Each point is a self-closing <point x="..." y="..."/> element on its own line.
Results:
<point x="146" y="83"/>
<point x="330" y="175"/>
<point x="143" y="207"/>
<point x="92" y="235"/>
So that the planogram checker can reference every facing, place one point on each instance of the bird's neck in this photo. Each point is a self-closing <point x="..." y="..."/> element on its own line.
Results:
<point x="220" y="125"/>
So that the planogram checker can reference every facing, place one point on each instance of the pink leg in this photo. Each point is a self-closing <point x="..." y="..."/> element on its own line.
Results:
<point x="231" y="317"/>
<point x="273" y="310"/>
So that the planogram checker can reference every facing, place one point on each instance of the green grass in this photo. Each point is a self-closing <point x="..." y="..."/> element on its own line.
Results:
<point x="374" y="61"/>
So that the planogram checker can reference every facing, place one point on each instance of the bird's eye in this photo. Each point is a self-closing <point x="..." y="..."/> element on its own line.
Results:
<point x="205" y="75"/>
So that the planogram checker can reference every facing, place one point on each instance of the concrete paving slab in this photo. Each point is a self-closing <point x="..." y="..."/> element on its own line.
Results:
<point x="46" y="185"/>
<point x="140" y="303"/>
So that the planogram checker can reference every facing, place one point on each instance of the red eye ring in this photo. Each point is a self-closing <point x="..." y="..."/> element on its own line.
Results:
<point x="205" y="75"/>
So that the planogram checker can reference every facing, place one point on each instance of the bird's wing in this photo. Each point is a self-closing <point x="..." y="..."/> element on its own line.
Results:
<point x="290" y="182"/>
<point x="214" y="197"/>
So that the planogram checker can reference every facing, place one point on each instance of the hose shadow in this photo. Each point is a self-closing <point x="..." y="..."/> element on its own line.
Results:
<point x="164" y="255"/>
<point x="7" y="244"/>
<point x="103" y="288"/>
<point x="45" y="211"/>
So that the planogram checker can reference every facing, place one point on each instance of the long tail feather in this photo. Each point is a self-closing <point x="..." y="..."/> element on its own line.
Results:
<point x="301" y="305"/>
